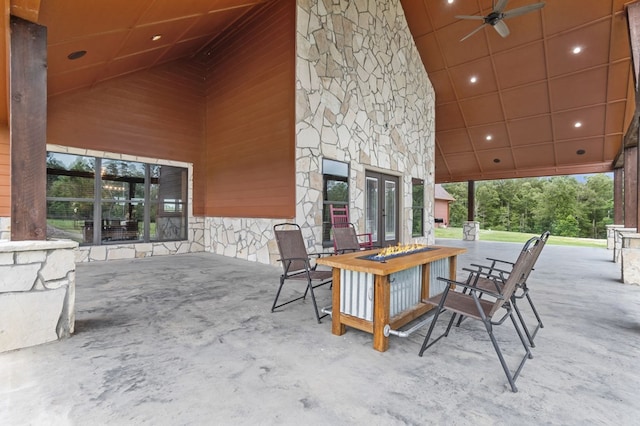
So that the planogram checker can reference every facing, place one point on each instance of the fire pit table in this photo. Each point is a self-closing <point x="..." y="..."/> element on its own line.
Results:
<point x="371" y="292"/>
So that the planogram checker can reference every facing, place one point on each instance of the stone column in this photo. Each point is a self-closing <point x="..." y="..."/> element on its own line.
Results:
<point x="37" y="292"/>
<point x="631" y="258"/>
<point x="611" y="235"/>
<point x="617" y="243"/>
<point x="471" y="231"/>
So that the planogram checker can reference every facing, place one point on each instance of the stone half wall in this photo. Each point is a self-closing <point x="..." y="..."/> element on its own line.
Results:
<point x="194" y="244"/>
<point x="362" y="97"/>
<point x="244" y="238"/>
<point x="37" y="292"/>
<point x="5" y="228"/>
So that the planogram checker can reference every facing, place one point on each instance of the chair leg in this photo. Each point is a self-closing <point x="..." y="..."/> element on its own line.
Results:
<point x="313" y="299"/>
<point x="453" y="318"/>
<point x="426" y="344"/>
<point x="535" y="312"/>
<point x="510" y="377"/>
<point x="539" y="325"/>
<point x="275" y="301"/>
<point x="524" y="325"/>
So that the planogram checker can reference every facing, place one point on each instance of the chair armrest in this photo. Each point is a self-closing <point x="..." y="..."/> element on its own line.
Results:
<point x="500" y="261"/>
<point x="472" y="287"/>
<point x="321" y="254"/>
<point x="482" y="267"/>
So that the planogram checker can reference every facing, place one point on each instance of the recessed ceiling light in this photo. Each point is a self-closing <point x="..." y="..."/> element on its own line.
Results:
<point x="577" y="124"/>
<point x="576" y="50"/>
<point x="77" y="54"/>
<point x="489" y="137"/>
<point x="473" y="79"/>
<point x="496" y="160"/>
<point x="581" y="152"/>
<point x="156" y="37"/>
<point x="449" y="1"/>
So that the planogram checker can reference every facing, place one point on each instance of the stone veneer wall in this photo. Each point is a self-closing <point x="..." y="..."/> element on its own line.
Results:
<point x="363" y="97"/>
<point x="195" y="236"/>
<point x="5" y="228"/>
<point x="37" y="292"/>
<point x="244" y="238"/>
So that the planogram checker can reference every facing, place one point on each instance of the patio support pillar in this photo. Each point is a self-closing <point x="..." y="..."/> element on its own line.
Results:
<point x="471" y="200"/>
<point x="28" y="104"/>
<point x="630" y="187"/>
<point x="618" y="200"/>
<point x="471" y="228"/>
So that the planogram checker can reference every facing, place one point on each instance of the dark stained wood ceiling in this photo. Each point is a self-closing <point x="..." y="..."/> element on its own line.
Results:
<point x="530" y="89"/>
<point x="117" y="35"/>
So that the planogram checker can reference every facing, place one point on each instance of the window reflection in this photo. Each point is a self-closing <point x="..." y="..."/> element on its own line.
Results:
<point x="135" y="201"/>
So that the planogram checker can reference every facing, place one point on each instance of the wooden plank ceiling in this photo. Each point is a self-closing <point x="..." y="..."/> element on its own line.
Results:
<point x="518" y="119"/>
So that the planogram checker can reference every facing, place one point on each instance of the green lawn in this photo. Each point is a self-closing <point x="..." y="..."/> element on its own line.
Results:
<point x="517" y="237"/>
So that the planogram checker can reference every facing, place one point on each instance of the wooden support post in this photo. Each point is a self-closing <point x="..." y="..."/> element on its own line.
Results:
<point x="630" y="187"/>
<point x="28" y="93"/>
<point x="618" y="200"/>
<point x="471" y="200"/>
<point x="381" y="306"/>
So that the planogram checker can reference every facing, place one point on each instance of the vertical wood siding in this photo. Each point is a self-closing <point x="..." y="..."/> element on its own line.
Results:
<point x="250" y="142"/>
<point x="155" y="113"/>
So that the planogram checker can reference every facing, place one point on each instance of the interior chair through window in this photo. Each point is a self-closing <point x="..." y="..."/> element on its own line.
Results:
<point x="340" y="219"/>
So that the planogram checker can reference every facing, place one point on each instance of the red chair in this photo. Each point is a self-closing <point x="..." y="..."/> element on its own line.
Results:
<point x="340" y="219"/>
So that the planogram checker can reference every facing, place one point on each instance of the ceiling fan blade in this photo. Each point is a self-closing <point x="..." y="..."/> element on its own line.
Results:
<point x="500" y="6"/>
<point x="522" y="10"/>
<point x="473" y="32"/>
<point x="476" y="17"/>
<point x="501" y="28"/>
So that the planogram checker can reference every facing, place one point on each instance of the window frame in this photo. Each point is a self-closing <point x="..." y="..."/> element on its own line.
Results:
<point x="417" y="209"/>
<point x="331" y="171"/>
<point x="141" y="233"/>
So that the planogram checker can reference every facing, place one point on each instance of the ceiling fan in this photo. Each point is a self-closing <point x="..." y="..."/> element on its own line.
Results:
<point x="497" y="15"/>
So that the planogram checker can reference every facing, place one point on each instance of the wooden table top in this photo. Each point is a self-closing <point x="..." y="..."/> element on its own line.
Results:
<point x="354" y="262"/>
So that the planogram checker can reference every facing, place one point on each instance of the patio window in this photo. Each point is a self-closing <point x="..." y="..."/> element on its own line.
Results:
<point x="335" y="191"/>
<point x="417" y="187"/>
<point x="127" y="201"/>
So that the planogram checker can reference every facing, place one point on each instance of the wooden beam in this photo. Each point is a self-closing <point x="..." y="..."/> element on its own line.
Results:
<point x="471" y="200"/>
<point x="630" y="187"/>
<point x="28" y="93"/>
<point x="618" y="197"/>
<point x="4" y="60"/>
<point x="26" y="9"/>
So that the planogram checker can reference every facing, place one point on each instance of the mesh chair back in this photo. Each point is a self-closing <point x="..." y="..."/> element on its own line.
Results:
<point x="535" y="246"/>
<point x="345" y="239"/>
<point x="519" y="270"/>
<point x="293" y="253"/>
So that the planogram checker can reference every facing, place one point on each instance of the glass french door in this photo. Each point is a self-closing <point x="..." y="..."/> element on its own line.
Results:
<point x="381" y="208"/>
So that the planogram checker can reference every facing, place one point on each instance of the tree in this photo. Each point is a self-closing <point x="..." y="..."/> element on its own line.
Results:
<point x="458" y="208"/>
<point x="596" y="203"/>
<point x="560" y="204"/>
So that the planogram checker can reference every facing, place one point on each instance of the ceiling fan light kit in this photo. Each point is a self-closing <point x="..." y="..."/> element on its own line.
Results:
<point x="498" y="15"/>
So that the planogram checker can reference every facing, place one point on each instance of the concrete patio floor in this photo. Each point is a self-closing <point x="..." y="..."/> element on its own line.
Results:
<point x="190" y="340"/>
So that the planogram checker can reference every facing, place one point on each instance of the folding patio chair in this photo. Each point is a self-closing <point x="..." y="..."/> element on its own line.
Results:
<point x="340" y="219"/>
<point x="470" y="305"/>
<point x="522" y="290"/>
<point x="345" y="240"/>
<point x="297" y="265"/>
